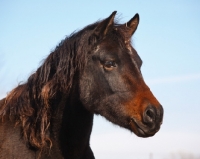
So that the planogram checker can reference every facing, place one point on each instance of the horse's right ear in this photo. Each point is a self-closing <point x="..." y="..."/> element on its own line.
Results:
<point x="131" y="26"/>
<point x="103" y="27"/>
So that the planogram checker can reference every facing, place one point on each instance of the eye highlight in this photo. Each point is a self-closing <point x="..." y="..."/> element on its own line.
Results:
<point x="109" y="65"/>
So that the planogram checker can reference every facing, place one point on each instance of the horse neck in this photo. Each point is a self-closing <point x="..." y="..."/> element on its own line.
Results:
<point x="72" y="129"/>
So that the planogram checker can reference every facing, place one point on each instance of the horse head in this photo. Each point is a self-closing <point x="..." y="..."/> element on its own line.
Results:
<point x="112" y="84"/>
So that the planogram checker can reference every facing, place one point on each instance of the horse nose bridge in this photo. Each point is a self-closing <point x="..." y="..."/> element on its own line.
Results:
<point x="140" y="100"/>
<point x="141" y="103"/>
<point x="148" y="96"/>
<point x="148" y="106"/>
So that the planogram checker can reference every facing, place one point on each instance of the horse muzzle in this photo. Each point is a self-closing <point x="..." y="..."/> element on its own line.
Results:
<point x="150" y="123"/>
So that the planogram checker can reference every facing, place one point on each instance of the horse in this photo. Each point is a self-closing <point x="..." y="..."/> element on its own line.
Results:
<point x="92" y="71"/>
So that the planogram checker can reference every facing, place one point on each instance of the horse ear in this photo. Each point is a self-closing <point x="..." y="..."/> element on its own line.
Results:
<point x="104" y="26"/>
<point x="132" y="25"/>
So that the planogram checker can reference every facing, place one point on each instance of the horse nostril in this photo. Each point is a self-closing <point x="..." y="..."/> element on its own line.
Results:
<point x="149" y="115"/>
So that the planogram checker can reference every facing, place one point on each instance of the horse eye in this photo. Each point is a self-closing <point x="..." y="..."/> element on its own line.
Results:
<point x="109" y="64"/>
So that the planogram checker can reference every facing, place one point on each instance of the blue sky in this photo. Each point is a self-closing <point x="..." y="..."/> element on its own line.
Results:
<point x="167" y="40"/>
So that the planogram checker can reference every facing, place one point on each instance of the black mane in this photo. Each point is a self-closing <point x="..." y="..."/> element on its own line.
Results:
<point x="30" y="102"/>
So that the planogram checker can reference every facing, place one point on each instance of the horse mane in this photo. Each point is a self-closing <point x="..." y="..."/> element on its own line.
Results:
<point x="30" y="103"/>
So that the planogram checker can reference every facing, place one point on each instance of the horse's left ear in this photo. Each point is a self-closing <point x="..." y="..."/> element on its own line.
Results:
<point x="103" y="27"/>
<point x="132" y="25"/>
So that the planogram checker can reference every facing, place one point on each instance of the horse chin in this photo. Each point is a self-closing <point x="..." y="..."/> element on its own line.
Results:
<point x="140" y="129"/>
